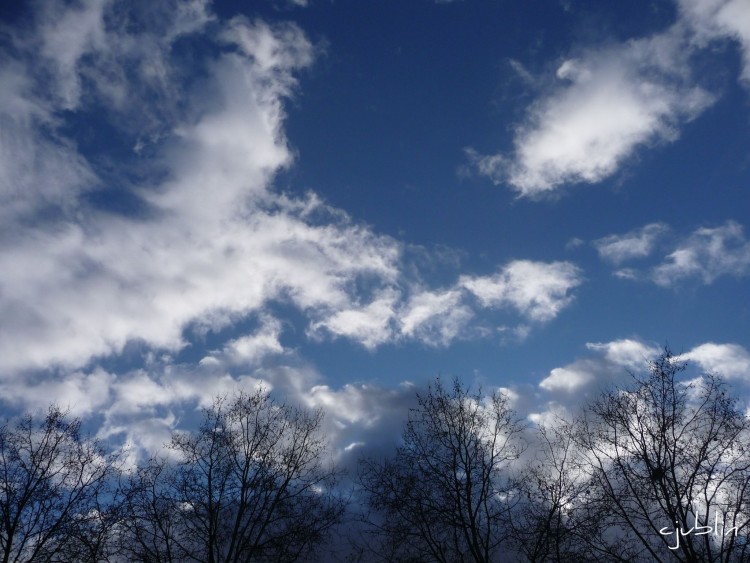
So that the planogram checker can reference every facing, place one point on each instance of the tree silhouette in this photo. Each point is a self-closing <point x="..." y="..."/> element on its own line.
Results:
<point x="669" y="469"/>
<point x="445" y="494"/>
<point x="547" y="523"/>
<point x="656" y="470"/>
<point x="249" y="485"/>
<point x="54" y="491"/>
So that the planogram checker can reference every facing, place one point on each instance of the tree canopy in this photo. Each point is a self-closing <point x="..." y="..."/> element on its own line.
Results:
<point x="655" y="469"/>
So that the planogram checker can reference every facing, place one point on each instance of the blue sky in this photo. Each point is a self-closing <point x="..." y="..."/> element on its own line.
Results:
<point x="341" y="200"/>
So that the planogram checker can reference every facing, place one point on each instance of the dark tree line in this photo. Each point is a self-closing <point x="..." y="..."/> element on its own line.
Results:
<point x="251" y="484"/>
<point x="655" y="470"/>
<point x="444" y="495"/>
<point x="53" y="489"/>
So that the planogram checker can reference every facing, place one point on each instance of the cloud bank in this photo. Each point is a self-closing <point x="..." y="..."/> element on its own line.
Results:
<point x="139" y="149"/>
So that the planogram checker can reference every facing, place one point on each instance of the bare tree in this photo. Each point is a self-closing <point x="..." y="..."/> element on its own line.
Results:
<point x="149" y="529"/>
<point x="54" y="495"/>
<point x="669" y="469"/>
<point x="548" y="523"/>
<point x="250" y="485"/>
<point x="445" y="494"/>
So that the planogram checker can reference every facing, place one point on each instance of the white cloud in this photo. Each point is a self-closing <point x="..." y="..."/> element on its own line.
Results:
<point x="187" y="17"/>
<point x="627" y="274"/>
<point x="39" y="170"/>
<point x="627" y="352"/>
<point x="719" y="19"/>
<point x="537" y="290"/>
<point x="361" y="419"/>
<point x="638" y="243"/>
<point x="282" y="46"/>
<point x="707" y="254"/>
<point x="217" y="243"/>
<point x="605" y="104"/>
<point x="78" y="393"/>
<point x="353" y="403"/>
<point x="611" y="363"/>
<point x="370" y="325"/>
<point x="67" y="33"/>
<point x="522" y="72"/>
<point x="213" y="244"/>
<point x="435" y="317"/>
<point x="252" y="348"/>
<point x="567" y="379"/>
<point x="731" y="361"/>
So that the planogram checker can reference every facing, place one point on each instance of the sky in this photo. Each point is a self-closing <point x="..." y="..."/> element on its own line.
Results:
<point x="341" y="200"/>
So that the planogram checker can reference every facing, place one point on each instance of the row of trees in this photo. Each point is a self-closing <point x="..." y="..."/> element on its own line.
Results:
<point x="251" y="484"/>
<point x="657" y="470"/>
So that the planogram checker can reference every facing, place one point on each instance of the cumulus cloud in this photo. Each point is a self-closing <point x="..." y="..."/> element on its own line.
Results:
<point x="613" y="360"/>
<point x="88" y="285"/>
<point x="253" y="348"/>
<point x="612" y="100"/>
<point x="363" y="420"/>
<point x="537" y="290"/>
<point x="206" y="242"/>
<point x="727" y="360"/>
<point x="147" y="404"/>
<point x="371" y="324"/>
<point x="638" y="243"/>
<point x="435" y="317"/>
<point x="706" y="254"/>
<point x="81" y="394"/>
<point x="568" y="379"/>
<point x="626" y="352"/>
<point x="610" y="363"/>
